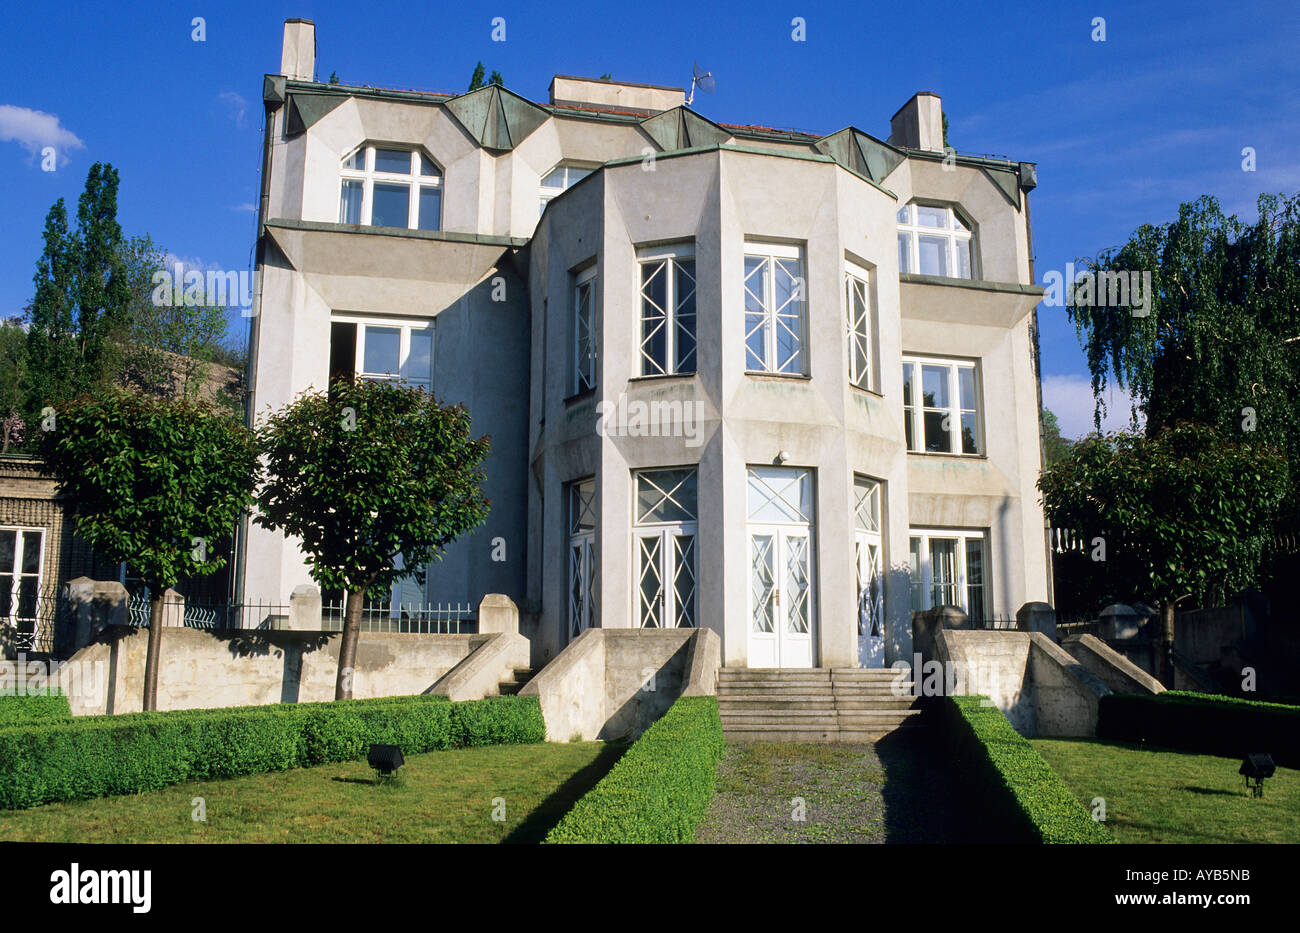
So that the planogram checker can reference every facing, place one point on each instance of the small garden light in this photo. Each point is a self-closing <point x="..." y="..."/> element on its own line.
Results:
<point x="1255" y="768"/>
<point x="386" y="759"/>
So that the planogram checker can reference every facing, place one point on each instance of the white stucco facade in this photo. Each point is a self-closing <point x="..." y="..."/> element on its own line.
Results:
<point x="509" y="299"/>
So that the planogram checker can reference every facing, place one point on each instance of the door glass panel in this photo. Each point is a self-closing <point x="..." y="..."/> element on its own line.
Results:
<point x="780" y="494"/>
<point x="31" y="558"/>
<point x="666" y="496"/>
<point x="8" y="548"/>
<point x="650" y="581"/>
<point x="943" y="567"/>
<point x="762" y="582"/>
<point x="796" y="585"/>
<point x="914" y="573"/>
<point x="975" y="578"/>
<point x="684" y="580"/>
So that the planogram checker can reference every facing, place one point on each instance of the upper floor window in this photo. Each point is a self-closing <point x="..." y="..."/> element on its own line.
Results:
<point x="774" y="309"/>
<point x="382" y="350"/>
<point x="934" y="241"/>
<point x="557" y="180"/>
<point x="390" y="188"/>
<point x="585" y="342"/>
<point x="667" y="312"/>
<point x="857" y="306"/>
<point x="941" y="412"/>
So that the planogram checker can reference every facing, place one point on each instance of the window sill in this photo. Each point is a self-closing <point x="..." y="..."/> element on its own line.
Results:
<point x="663" y="377"/>
<point x="580" y="396"/>
<point x="950" y="456"/>
<point x="871" y="392"/>
<point x="765" y="376"/>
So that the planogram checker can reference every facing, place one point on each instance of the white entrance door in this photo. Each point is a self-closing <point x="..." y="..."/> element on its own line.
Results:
<point x="781" y="597"/>
<point x="782" y="613"/>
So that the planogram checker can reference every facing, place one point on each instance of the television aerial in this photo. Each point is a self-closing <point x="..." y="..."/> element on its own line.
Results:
<point x="701" y="79"/>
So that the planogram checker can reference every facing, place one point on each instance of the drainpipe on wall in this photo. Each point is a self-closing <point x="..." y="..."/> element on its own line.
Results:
<point x="1038" y="384"/>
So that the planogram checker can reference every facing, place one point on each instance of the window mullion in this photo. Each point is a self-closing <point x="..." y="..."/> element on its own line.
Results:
<point x="670" y="318"/>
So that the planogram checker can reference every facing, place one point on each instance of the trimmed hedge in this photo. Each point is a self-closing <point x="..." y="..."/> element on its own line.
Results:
<point x="658" y="791"/>
<point x="22" y="709"/>
<point x="1015" y="791"/>
<point x="102" y="756"/>
<point x="1203" y="723"/>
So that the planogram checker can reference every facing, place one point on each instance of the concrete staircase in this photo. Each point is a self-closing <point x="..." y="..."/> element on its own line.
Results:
<point x="521" y="675"/>
<point x="814" y="705"/>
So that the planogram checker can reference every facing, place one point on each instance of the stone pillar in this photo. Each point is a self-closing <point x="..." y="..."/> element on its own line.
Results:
<point x="305" y="609"/>
<point x="173" y="615"/>
<point x="95" y="604"/>
<point x="1119" y="623"/>
<point x="1037" y="617"/>
<point x="497" y="613"/>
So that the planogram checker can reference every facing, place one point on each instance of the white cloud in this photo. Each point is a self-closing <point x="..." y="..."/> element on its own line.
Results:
<point x="235" y="104"/>
<point x="35" y="129"/>
<point x="245" y="208"/>
<point x="1069" y="397"/>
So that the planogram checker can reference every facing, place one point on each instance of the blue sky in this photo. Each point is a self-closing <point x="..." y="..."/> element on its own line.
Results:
<point x="1123" y="130"/>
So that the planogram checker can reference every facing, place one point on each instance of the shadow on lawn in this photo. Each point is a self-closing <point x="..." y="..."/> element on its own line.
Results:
<point x="922" y="803"/>
<point x="550" y="811"/>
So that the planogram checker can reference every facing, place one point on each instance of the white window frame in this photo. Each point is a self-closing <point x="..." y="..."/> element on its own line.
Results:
<point x="867" y="536"/>
<point x="912" y="370"/>
<point x="586" y="367"/>
<point x="20" y="544"/>
<point x="923" y="581"/>
<point x="665" y="537"/>
<point x="670" y="257"/>
<point x="956" y="231"/>
<point x="406" y="326"/>
<point x="770" y="253"/>
<point x="413" y="179"/>
<point x="859" y="328"/>
<point x="572" y="174"/>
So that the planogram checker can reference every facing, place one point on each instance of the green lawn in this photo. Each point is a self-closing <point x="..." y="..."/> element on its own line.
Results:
<point x="439" y="797"/>
<point x="1156" y="795"/>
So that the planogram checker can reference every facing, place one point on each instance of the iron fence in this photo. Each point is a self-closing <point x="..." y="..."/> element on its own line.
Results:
<point x="32" y="621"/>
<point x="210" y="615"/>
<point x="410" y="618"/>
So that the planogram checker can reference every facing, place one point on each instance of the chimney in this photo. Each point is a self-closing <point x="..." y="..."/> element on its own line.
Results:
<point x="918" y="123"/>
<point x="623" y="95"/>
<point x="298" y="55"/>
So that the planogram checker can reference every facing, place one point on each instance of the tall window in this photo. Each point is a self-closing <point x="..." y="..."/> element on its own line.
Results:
<point x="21" y="559"/>
<point x="382" y="349"/>
<point x="857" y="307"/>
<point x="585" y="342"/>
<point x="557" y="180"/>
<point x="667" y="312"/>
<point x="868" y="556"/>
<point x="774" y="309"/>
<point x="665" y="536"/>
<point x="948" y="568"/>
<point x="581" y="509"/>
<point x="391" y="188"/>
<point x="941" y="412"/>
<point x="934" y="241"/>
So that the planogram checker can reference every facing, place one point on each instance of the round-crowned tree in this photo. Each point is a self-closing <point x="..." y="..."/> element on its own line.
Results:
<point x="364" y="473"/>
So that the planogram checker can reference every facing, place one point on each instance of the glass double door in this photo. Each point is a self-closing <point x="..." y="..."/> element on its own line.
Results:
<point x="782" y="619"/>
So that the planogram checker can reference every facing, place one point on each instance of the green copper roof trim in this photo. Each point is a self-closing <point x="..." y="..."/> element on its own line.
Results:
<point x="1008" y="182"/>
<point x="306" y="109"/>
<point x="683" y="128"/>
<point x="861" y="153"/>
<point x="497" y="118"/>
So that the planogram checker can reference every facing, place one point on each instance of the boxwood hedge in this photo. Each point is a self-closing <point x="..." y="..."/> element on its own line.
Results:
<point x="98" y="756"/>
<point x="1203" y="723"/>
<point x="20" y="708"/>
<point x="1018" y="795"/>
<point x="658" y="791"/>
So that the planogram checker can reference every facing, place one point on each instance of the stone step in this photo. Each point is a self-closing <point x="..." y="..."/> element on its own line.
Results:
<point x="818" y="735"/>
<point x="773" y="674"/>
<point x="760" y="701"/>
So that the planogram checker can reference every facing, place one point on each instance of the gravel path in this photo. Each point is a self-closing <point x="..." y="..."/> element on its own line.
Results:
<point x="895" y="790"/>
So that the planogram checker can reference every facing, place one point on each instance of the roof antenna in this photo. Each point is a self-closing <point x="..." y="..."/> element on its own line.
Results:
<point x="704" y="79"/>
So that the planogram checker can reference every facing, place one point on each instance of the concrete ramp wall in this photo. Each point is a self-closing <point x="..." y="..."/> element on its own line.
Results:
<point x="613" y="683"/>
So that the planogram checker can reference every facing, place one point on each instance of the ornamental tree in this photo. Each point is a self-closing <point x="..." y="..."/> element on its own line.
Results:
<point x="154" y="483"/>
<point x="366" y="473"/>
<point x="1184" y="515"/>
